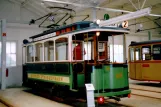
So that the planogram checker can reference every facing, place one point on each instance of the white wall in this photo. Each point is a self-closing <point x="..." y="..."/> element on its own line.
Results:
<point x="14" y="78"/>
<point x="18" y="32"/>
<point x="15" y="13"/>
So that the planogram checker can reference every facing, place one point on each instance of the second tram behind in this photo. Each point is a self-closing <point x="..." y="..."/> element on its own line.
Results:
<point x="51" y="61"/>
<point x="145" y="60"/>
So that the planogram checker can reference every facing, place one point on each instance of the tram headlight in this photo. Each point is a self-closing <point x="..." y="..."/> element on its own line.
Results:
<point x="98" y="21"/>
<point x="97" y="33"/>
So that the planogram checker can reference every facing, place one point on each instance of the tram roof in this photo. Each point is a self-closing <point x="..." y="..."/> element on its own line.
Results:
<point x="145" y="42"/>
<point x="83" y="25"/>
<point x="87" y="23"/>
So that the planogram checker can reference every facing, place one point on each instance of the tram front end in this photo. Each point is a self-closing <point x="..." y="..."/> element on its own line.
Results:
<point x="110" y="80"/>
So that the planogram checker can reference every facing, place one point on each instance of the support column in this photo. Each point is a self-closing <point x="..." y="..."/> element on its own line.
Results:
<point x="124" y="48"/>
<point x="149" y="35"/>
<point x="95" y="49"/>
<point x="3" y="54"/>
<point x="113" y="48"/>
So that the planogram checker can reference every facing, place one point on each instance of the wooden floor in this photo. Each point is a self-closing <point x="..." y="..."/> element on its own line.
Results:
<point x="2" y="105"/>
<point x="15" y="97"/>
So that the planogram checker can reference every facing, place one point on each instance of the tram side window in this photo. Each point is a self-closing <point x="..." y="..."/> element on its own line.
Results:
<point x="49" y="51"/>
<point x="131" y="54"/>
<point x="157" y="52"/>
<point x="39" y="52"/>
<point x="30" y="53"/>
<point x="88" y="51"/>
<point x="137" y="53"/>
<point x="146" y="53"/>
<point x="61" y="46"/>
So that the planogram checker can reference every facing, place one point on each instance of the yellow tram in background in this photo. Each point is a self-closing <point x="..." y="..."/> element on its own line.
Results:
<point x="145" y="60"/>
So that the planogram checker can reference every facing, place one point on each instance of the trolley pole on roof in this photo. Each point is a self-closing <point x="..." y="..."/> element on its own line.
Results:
<point x="3" y="54"/>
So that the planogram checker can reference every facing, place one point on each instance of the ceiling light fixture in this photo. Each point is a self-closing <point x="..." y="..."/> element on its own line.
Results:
<point x="130" y="16"/>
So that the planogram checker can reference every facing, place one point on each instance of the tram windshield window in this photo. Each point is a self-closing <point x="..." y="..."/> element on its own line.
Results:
<point x="30" y="53"/>
<point x="146" y="53"/>
<point x="61" y="46"/>
<point x="157" y="52"/>
<point x="102" y="50"/>
<point x="137" y="53"/>
<point x="39" y="52"/>
<point x="131" y="54"/>
<point x="49" y="51"/>
<point x="87" y="47"/>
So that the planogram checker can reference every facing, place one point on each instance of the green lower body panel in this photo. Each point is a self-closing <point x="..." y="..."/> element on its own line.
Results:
<point x="108" y="94"/>
<point x="110" y="80"/>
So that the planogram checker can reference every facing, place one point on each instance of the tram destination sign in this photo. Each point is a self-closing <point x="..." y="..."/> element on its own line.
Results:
<point x="45" y="36"/>
<point x="49" y="77"/>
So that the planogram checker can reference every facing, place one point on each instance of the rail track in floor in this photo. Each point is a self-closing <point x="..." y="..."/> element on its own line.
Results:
<point x="146" y="91"/>
<point x="75" y="102"/>
<point x="4" y="103"/>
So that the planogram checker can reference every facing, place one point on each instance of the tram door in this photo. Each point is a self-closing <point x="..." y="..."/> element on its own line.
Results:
<point x="138" y="73"/>
<point x="78" y="63"/>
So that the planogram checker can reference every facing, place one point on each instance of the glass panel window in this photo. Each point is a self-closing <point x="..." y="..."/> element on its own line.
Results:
<point x="39" y="52"/>
<point x="157" y="52"/>
<point x="118" y="53"/>
<point x="87" y="47"/>
<point x="102" y="50"/>
<point x="131" y="54"/>
<point x="137" y="53"/>
<point x="10" y="53"/>
<point x="8" y="48"/>
<point x="30" y="53"/>
<point x="146" y="53"/>
<point x="13" y="47"/>
<point x="49" y="51"/>
<point x="61" y="46"/>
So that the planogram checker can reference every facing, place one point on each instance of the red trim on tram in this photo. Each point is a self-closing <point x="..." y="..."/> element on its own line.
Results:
<point x="152" y="61"/>
<point x="145" y="65"/>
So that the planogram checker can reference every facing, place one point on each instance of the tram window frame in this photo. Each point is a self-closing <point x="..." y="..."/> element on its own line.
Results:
<point x="132" y="56"/>
<point x="88" y="51"/>
<point x="146" y="55"/>
<point x="67" y="49"/>
<point x="139" y="56"/>
<point x="39" y="54"/>
<point x="156" y="56"/>
<point x="103" y="50"/>
<point x="47" y="54"/>
<point x="31" y="53"/>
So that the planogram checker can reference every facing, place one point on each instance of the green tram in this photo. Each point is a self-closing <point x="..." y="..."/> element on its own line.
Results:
<point x="71" y="56"/>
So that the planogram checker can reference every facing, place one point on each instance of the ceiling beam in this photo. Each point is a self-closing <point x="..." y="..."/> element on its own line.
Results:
<point x="31" y="4"/>
<point x="90" y="6"/>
